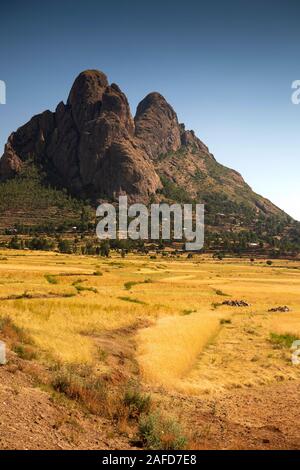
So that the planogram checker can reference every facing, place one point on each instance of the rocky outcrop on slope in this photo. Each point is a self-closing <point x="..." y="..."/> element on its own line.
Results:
<point x="94" y="148"/>
<point x="86" y="145"/>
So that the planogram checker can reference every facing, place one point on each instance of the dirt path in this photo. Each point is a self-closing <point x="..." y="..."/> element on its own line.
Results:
<point x="261" y="418"/>
<point x="242" y="393"/>
<point x="234" y="408"/>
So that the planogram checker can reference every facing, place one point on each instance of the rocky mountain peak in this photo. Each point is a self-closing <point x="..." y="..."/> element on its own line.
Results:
<point x="156" y="125"/>
<point x="85" y="96"/>
<point x="86" y="145"/>
<point x="92" y="147"/>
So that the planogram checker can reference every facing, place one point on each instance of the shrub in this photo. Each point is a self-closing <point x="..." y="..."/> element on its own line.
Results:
<point x="80" y="288"/>
<point x="128" y="285"/>
<point x="269" y="262"/>
<point x="105" y="249"/>
<point x="161" y="433"/>
<point x="136" y="402"/>
<point x="187" y="312"/>
<point x="90" y="248"/>
<point x="225" y="321"/>
<point x="219" y="292"/>
<point x="40" y="243"/>
<point x="51" y="279"/>
<point x="13" y="332"/>
<point x="65" y="246"/>
<point x="173" y="191"/>
<point x="21" y="343"/>
<point x="283" y="340"/>
<point x="24" y="351"/>
<point x="77" y="383"/>
<point x="14" y="243"/>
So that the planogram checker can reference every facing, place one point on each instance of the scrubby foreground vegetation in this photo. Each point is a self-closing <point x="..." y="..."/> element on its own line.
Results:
<point x="99" y="347"/>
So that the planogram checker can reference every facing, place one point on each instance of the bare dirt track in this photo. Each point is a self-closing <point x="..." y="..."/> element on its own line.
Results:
<point x="258" y="418"/>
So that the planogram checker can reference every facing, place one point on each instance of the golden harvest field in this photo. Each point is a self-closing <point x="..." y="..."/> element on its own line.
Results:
<point x="160" y="321"/>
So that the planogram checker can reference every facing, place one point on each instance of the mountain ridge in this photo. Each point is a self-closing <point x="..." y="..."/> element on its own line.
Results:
<point x="93" y="147"/>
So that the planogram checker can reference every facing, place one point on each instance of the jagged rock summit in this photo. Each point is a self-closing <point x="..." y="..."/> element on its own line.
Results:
<point x="87" y="145"/>
<point x="94" y="148"/>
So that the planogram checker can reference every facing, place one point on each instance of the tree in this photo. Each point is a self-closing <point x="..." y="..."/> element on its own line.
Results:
<point x="65" y="246"/>
<point x="14" y="243"/>
<point x="105" y="249"/>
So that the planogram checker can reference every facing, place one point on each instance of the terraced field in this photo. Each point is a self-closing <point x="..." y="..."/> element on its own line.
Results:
<point x="224" y="373"/>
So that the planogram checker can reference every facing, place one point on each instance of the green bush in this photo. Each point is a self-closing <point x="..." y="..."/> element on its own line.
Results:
<point x="161" y="433"/>
<point x="283" y="340"/>
<point x="25" y="351"/>
<point x="136" y="402"/>
<point x="65" y="246"/>
<point x="41" y="243"/>
<point x="51" y="279"/>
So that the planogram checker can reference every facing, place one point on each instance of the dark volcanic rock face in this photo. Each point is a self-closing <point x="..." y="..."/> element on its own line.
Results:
<point x="87" y="145"/>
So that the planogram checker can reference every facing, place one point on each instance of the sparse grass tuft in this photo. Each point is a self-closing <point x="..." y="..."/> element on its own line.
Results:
<point x="25" y="351"/>
<point x="13" y="332"/>
<point x="187" y="311"/>
<point x="161" y="433"/>
<point x="20" y="342"/>
<point x="281" y="341"/>
<point x="215" y="305"/>
<point x="225" y="321"/>
<point x="128" y="285"/>
<point x="129" y="299"/>
<point x="136" y="402"/>
<point x="78" y="383"/>
<point x="219" y="292"/>
<point x="51" y="279"/>
<point x="80" y="288"/>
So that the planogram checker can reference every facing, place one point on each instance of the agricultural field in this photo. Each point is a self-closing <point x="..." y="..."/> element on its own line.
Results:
<point x="141" y="351"/>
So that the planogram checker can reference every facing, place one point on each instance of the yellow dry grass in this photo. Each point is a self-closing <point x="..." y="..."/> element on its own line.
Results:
<point x="168" y="350"/>
<point x="185" y="347"/>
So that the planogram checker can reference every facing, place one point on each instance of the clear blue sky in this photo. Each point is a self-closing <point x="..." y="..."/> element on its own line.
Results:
<point x="226" y="67"/>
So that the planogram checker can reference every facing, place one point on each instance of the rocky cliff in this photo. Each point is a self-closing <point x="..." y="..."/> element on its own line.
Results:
<point x="94" y="148"/>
